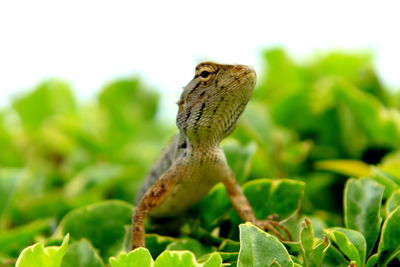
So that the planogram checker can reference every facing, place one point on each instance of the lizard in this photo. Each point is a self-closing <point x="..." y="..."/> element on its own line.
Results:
<point x="194" y="162"/>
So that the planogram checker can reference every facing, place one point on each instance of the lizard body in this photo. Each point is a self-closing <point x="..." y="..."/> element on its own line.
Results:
<point x="193" y="163"/>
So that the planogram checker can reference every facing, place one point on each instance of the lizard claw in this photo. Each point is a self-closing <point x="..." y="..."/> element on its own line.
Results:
<point x="271" y="226"/>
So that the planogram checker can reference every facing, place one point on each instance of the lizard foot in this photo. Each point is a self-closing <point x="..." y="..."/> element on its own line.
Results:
<point x="271" y="225"/>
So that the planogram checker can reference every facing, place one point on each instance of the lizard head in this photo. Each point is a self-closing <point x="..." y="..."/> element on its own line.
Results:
<point x="212" y="102"/>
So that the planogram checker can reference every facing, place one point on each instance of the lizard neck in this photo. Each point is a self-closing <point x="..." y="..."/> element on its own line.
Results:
<point x="203" y="149"/>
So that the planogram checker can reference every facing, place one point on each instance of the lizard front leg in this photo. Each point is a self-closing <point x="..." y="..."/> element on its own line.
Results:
<point x="243" y="208"/>
<point x="156" y="194"/>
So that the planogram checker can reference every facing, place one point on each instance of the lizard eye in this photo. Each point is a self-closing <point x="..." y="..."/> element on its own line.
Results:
<point x="205" y="74"/>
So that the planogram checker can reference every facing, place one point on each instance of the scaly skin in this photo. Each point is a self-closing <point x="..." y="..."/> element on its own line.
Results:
<point x="193" y="163"/>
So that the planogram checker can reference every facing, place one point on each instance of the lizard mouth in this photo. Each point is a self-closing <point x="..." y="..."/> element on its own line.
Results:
<point x="250" y="75"/>
<point x="247" y="75"/>
<point x="245" y="71"/>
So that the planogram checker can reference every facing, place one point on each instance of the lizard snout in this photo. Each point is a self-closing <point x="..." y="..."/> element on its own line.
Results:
<point x="245" y="70"/>
<point x="245" y="74"/>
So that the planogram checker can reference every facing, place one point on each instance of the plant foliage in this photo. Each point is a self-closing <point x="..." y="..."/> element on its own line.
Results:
<point x="318" y="146"/>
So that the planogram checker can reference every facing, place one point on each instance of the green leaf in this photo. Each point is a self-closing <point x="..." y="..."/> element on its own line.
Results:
<point x="39" y="256"/>
<point x="280" y="197"/>
<point x="189" y="244"/>
<point x="8" y="143"/>
<point x="91" y="178"/>
<point x="214" y="206"/>
<point x="229" y="257"/>
<point x="213" y="260"/>
<point x="393" y="202"/>
<point x="317" y="255"/>
<point x="271" y="197"/>
<point x="334" y="258"/>
<point x="254" y="125"/>
<point x="229" y="246"/>
<point x="307" y="235"/>
<point x="380" y="124"/>
<point x="275" y="264"/>
<point x="81" y="254"/>
<point x="347" y="65"/>
<point x="350" y="242"/>
<point x="372" y="261"/>
<point x="313" y="249"/>
<point x="389" y="245"/>
<point x="186" y="259"/>
<point x="14" y="240"/>
<point x="157" y="244"/>
<point x="239" y="158"/>
<point x="127" y="100"/>
<point x="38" y="205"/>
<point x="50" y="98"/>
<point x="138" y="257"/>
<point x="390" y="165"/>
<point x="258" y="248"/>
<point x="389" y="182"/>
<point x="9" y="179"/>
<point x="352" y="137"/>
<point x="347" y="167"/>
<point x="101" y="223"/>
<point x="362" y="203"/>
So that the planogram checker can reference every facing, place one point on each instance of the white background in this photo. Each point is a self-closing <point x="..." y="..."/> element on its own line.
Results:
<point x="89" y="43"/>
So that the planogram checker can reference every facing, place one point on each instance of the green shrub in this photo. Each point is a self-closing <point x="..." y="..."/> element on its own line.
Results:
<point x="318" y="145"/>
